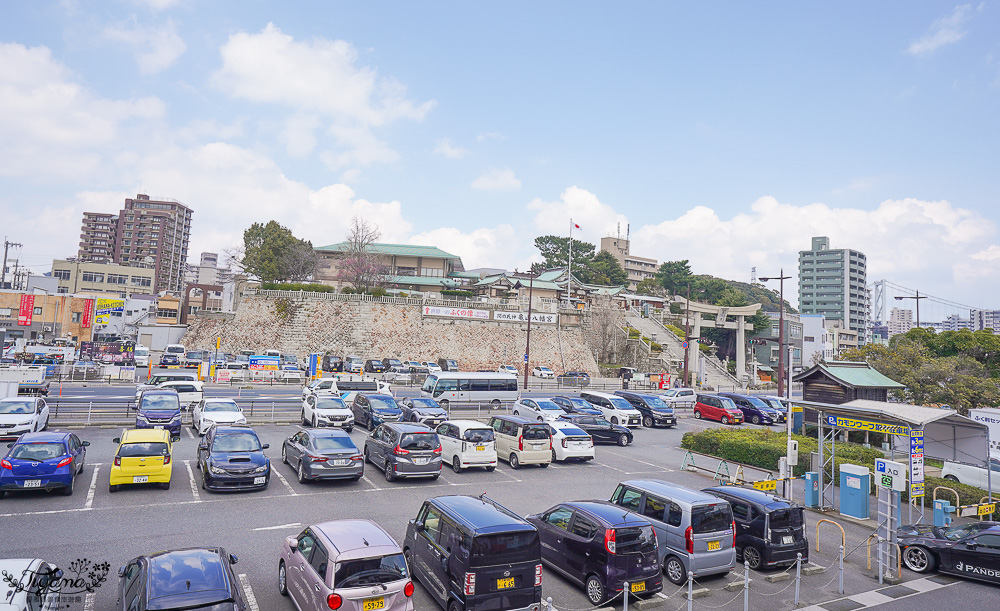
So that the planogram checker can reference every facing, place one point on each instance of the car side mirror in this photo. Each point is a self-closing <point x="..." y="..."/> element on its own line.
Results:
<point x="85" y="444"/>
<point x="121" y="571"/>
<point x="265" y="446"/>
<point x="418" y="526"/>
<point x="292" y="543"/>
<point x="115" y="440"/>
<point x="233" y="559"/>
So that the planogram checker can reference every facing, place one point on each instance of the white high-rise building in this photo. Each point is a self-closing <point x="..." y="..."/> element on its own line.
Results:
<point x="900" y="321"/>
<point x="833" y="282"/>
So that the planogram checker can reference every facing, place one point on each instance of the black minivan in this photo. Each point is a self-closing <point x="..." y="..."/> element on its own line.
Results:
<point x="655" y="411"/>
<point x="472" y="553"/>
<point x="600" y="547"/>
<point x="770" y="531"/>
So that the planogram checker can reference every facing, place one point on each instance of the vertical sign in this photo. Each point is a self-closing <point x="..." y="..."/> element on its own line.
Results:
<point x="27" y="310"/>
<point x="88" y="314"/>
<point x="916" y="462"/>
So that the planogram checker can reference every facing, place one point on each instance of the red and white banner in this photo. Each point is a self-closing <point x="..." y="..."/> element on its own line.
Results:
<point x="27" y="310"/>
<point x="456" y="312"/>
<point x="88" y="314"/>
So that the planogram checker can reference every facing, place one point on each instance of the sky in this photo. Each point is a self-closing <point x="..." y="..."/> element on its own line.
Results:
<point x="725" y="133"/>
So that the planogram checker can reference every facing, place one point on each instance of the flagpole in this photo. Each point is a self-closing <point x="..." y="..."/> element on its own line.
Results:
<point x="569" y="273"/>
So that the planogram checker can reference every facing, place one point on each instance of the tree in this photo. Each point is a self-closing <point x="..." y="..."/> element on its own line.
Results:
<point x="604" y="319"/>
<point x="555" y="251"/>
<point x="359" y="266"/>
<point x="607" y="270"/>
<point x="649" y="286"/>
<point x="674" y="276"/>
<point x="271" y="253"/>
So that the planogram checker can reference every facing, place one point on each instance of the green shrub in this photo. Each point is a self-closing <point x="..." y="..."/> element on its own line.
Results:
<point x="676" y="331"/>
<point x="655" y="347"/>
<point x="376" y="292"/>
<point x="349" y="290"/>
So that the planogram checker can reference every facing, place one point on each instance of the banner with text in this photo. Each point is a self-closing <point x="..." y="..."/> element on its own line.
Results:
<point x="265" y="363"/>
<point x="88" y="314"/>
<point x="456" y="313"/>
<point x="105" y="307"/>
<point x="865" y="425"/>
<point x="916" y="462"/>
<point x="26" y="310"/>
<point x="536" y="317"/>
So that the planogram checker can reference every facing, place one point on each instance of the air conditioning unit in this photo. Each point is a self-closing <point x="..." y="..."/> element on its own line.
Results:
<point x="47" y="329"/>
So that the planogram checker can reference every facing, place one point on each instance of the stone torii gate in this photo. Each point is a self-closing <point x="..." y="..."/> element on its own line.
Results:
<point x="721" y="320"/>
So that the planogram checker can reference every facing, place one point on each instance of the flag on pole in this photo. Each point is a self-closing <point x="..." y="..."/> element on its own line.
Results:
<point x="575" y="226"/>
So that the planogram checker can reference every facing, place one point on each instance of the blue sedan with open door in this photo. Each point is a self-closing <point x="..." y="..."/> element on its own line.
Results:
<point x="43" y="461"/>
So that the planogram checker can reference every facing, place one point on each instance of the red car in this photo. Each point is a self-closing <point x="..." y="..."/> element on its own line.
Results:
<point x="717" y="408"/>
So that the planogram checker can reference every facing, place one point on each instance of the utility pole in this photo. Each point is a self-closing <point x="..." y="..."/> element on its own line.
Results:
<point x="781" y="333"/>
<point x="687" y="334"/>
<point x="917" y="299"/>
<point x="3" y="270"/>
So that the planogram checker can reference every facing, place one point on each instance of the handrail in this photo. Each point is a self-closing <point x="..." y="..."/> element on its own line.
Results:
<point x="958" y="500"/>
<point x="713" y="362"/>
<point x="899" y="554"/>
<point x="843" y="534"/>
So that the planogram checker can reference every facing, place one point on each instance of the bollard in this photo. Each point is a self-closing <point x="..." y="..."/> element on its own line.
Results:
<point x="841" y="590"/>
<point x="548" y="603"/>
<point x="625" y="596"/>
<point x="880" y="571"/>
<point x="90" y="408"/>
<point x="690" y="583"/>
<point x="272" y="411"/>
<point x="798" y="576"/>
<point x="746" y="586"/>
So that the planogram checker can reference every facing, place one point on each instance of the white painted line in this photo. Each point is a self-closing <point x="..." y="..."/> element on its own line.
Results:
<point x="507" y="475"/>
<point x="188" y="430"/>
<point x="600" y="464"/>
<point x="284" y="481"/>
<point x="365" y="479"/>
<point x="279" y="527"/>
<point x="639" y="461"/>
<point x="92" y="490"/>
<point x="194" y="483"/>
<point x="248" y="591"/>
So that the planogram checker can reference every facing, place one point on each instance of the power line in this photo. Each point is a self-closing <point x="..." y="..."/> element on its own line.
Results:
<point x="933" y="298"/>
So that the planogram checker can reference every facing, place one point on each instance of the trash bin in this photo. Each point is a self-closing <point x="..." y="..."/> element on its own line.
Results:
<point x="855" y="484"/>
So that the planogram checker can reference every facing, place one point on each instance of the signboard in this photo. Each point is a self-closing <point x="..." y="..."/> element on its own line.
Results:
<point x="88" y="314"/>
<point x="223" y="375"/>
<point x="104" y="307"/>
<point x="916" y="462"/>
<point x="865" y="425"/>
<point x="264" y="363"/>
<point x="991" y="418"/>
<point x="889" y="474"/>
<point x="767" y="485"/>
<point x="988" y="509"/>
<point x="109" y="353"/>
<point x="456" y="312"/>
<point x="536" y="317"/>
<point x="26" y="310"/>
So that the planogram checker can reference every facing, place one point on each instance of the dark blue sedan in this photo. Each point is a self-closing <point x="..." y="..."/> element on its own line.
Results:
<point x="43" y="461"/>
<point x="576" y="405"/>
<point x="197" y="578"/>
<point x="232" y="458"/>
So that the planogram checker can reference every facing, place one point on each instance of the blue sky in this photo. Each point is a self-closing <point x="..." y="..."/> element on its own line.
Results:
<point x="724" y="133"/>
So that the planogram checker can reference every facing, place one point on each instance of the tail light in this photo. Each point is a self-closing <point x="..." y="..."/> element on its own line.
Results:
<point x="437" y="450"/>
<point x="520" y="443"/>
<point x="118" y="461"/>
<point x="357" y="458"/>
<point x="318" y="458"/>
<point x="166" y="459"/>
<point x="564" y="443"/>
<point x="64" y="462"/>
<point x="398" y="451"/>
<point x="538" y="575"/>
<point x="609" y="540"/>
<point x="550" y="443"/>
<point x="6" y="464"/>
<point x="408" y="589"/>
<point x="734" y="534"/>
<point x="334" y="601"/>
<point x="470" y="584"/>
<point x="689" y="540"/>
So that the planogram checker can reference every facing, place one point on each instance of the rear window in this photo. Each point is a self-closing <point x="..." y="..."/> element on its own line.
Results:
<point x="478" y="435"/>
<point x="711" y="518"/>
<point x="786" y="518"/>
<point x="370" y="571"/>
<point x="334" y="443"/>
<point x="572" y="431"/>
<point x="536" y="431"/>
<point x="489" y="550"/>
<point x="635" y="540"/>
<point x="419" y="441"/>
<point x="549" y="405"/>
<point x="38" y="451"/>
<point x="146" y="448"/>
<point x="382" y="402"/>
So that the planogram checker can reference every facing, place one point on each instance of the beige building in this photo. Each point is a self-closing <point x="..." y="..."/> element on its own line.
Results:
<point x="407" y="266"/>
<point x="637" y="268"/>
<point x="46" y="317"/>
<point x="900" y="321"/>
<point x="76" y="276"/>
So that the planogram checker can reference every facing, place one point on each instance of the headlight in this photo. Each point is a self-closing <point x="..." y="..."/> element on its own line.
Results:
<point x="175" y="417"/>
<point x="241" y="420"/>
<point x="141" y="416"/>
<point x="216" y="470"/>
<point x="261" y="469"/>
<point x="25" y="423"/>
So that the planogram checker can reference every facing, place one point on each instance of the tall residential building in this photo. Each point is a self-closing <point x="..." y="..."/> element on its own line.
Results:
<point x="146" y="233"/>
<point x="833" y="283"/>
<point x="986" y="319"/>
<point x="900" y="321"/>
<point x="637" y="268"/>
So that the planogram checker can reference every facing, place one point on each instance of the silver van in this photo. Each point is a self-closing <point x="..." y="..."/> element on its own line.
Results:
<point x="695" y="531"/>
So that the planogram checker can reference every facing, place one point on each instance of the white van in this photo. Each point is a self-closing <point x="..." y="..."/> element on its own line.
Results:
<point x="973" y="476"/>
<point x="189" y="393"/>
<point x="467" y="443"/>
<point x="141" y="356"/>
<point x="470" y="387"/>
<point x="177" y="350"/>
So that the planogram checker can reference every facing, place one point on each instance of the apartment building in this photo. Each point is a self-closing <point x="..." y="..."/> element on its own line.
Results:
<point x="900" y="321"/>
<point x="637" y="268"/>
<point x="833" y="282"/>
<point x="76" y="276"/>
<point x="97" y="237"/>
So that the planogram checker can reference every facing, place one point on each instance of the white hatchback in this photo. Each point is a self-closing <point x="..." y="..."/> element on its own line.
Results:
<point x="543" y="372"/>
<point x="23" y="415"/>
<point x="215" y="411"/>
<point x="507" y="369"/>
<point x="542" y="410"/>
<point x="467" y="443"/>
<point x="570" y="442"/>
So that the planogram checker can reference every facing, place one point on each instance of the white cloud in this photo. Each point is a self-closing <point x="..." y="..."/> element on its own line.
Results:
<point x="484" y="247"/>
<point x="944" y="31"/>
<point x="497" y="180"/>
<point x="157" y="5"/>
<point x="595" y="219"/>
<point x="490" y="136"/>
<point x="446" y="148"/>
<point x="155" y="48"/>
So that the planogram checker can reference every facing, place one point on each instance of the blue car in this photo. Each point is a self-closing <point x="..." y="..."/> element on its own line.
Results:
<point x="159" y="409"/>
<point x="232" y="458"/>
<point x="371" y="410"/>
<point x="754" y="410"/>
<point x="43" y="461"/>
<point x="196" y="578"/>
<point x="576" y="405"/>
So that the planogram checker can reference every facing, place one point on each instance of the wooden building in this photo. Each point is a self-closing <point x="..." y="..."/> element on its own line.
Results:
<point x="839" y="382"/>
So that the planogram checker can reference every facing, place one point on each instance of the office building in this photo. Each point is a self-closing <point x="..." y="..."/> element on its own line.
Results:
<point x="637" y="268"/>
<point x="833" y="283"/>
<point x="75" y="276"/>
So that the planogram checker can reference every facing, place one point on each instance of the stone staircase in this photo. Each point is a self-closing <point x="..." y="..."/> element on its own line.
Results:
<point x="716" y="375"/>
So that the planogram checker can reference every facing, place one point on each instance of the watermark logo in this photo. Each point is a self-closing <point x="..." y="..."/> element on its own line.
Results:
<point x="54" y="585"/>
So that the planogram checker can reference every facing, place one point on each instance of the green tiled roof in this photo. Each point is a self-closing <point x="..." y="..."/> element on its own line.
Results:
<point x="399" y="250"/>
<point x="424" y="280"/>
<point x="857" y="375"/>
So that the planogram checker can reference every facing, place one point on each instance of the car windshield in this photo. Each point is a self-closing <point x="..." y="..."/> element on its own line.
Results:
<point x="370" y="571"/>
<point x="222" y="406"/>
<point x="775" y="404"/>
<point x="620" y="403"/>
<point x="572" y="431"/>
<point x="382" y="403"/>
<point x="145" y="448"/>
<point x="478" y="435"/>
<point x="160" y="402"/>
<point x="37" y="451"/>
<point x="333" y="443"/>
<point x="193" y="355"/>
<point x="759" y="404"/>
<point x="489" y="550"/>
<point x="960" y="532"/>
<point x="419" y="441"/>
<point x="549" y="405"/>
<point x="635" y="540"/>
<point x="711" y="518"/>
<point x="236" y="442"/>
<point x="728" y="403"/>
<point x="419" y="403"/>
<point x="536" y="431"/>
<point x="17" y="407"/>
<point x="577" y="402"/>
<point x="395" y="363"/>
<point x="655" y="402"/>
<point x="330" y="403"/>
<point x="786" y="518"/>
<point x="545" y="369"/>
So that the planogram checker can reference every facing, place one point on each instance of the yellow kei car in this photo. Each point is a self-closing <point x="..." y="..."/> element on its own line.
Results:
<point x="143" y="457"/>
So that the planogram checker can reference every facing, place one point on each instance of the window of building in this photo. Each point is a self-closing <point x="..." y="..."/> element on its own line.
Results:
<point x="126" y="242"/>
<point x="166" y="313"/>
<point x="117" y="279"/>
<point x="6" y="312"/>
<point x="93" y="277"/>
<point x="62" y="274"/>
<point x="64" y="289"/>
<point x="38" y="311"/>
<point x="76" y="317"/>
<point x="432" y="272"/>
<point x="141" y="281"/>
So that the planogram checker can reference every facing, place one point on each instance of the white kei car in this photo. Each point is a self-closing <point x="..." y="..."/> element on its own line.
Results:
<point x="23" y="415"/>
<point x="467" y="443"/>
<point x="543" y="372"/>
<point x="570" y="442"/>
<point x="542" y="410"/>
<point x="215" y="411"/>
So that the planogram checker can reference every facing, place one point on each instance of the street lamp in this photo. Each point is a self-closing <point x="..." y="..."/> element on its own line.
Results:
<point x="916" y="298"/>
<point x="527" y="347"/>
<point x="781" y="333"/>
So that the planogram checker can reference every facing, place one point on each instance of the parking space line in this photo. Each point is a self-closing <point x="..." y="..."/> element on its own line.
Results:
<point x="188" y="430"/>
<point x="248" y="591"/>
<point x="660" y="467"/>
<point x="285" y="482"/>
<point x="600" y="464"/>
<point x="365" y="479"/>
<point x="92" y="490"/>
<point x="507" y="475"/>
<point x="194" y="483"/>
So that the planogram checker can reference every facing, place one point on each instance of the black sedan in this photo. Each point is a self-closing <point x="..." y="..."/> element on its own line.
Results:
<point x="576" y="405"/>
<point x="424" y="410"/>
<point x="971" y="550"/>
<point x="600" y="429"/>
<point x="373" y="366"/>
<point x="232" y="458"/>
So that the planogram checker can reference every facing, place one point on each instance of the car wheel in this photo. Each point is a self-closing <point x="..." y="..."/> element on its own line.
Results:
<point x="302" y="472"/>
<point x="517" y="413"/>
<point x="751" y="555"/>
<point x="623" y="440"/>
<point x="349" y="428"/>
<point x="724" y="420"/>
<point x="697" y="415"/>
<point x="204" y="483"/>
<point x="544" y="465"/>
<point x="80" y="470"/>
<point x="454" y="606"/>
<point x="389" y="475"/>
<point x="554" y="459"/>
<point x="444" y="403"/>
<point x="495" y="403"/>
<point x="673" y="568"/>
<point x="315" y="422"/>
<point x="755" y="419"/>
<point x="68" y="490"/>
<point x="284" y="454"/>
<point x="951" y="478"/>
<point x="514" y="462"/>
<point x="491" y="468"/>
<point x="112" y="488"/>
<point x="456" y="464"/>
<point x="46" y="427"/>
<point x="282" y="579"/>
<point x="918" y="559"/>
<point x="409" y="563"/>
<point x="595" y="590"/>
<point x="303" y="418"/>
<point x="647" y="421"/>
<point x="165" y="485"/>
<point x="614" y="420"/>
<point x="434" y="477"/>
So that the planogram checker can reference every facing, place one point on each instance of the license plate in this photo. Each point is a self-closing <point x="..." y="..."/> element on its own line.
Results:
<point x="505" y="582"/>
<point x="158" y="426"/>
<point x="638" y="587"/>
<point x="714" y="545"/>
<point x="480" y="448"/>
<point x="140" y="479"/>
<point x="32" y="483"/>
<point x="373" y="603"/>
<point x="786" y="540"/>
<point x="343" y="462"/>
<point x="420" y="461"/>
<point x="260" y="480"/>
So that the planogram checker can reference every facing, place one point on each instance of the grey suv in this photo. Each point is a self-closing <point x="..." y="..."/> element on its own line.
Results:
<point x="404" y="450"/>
